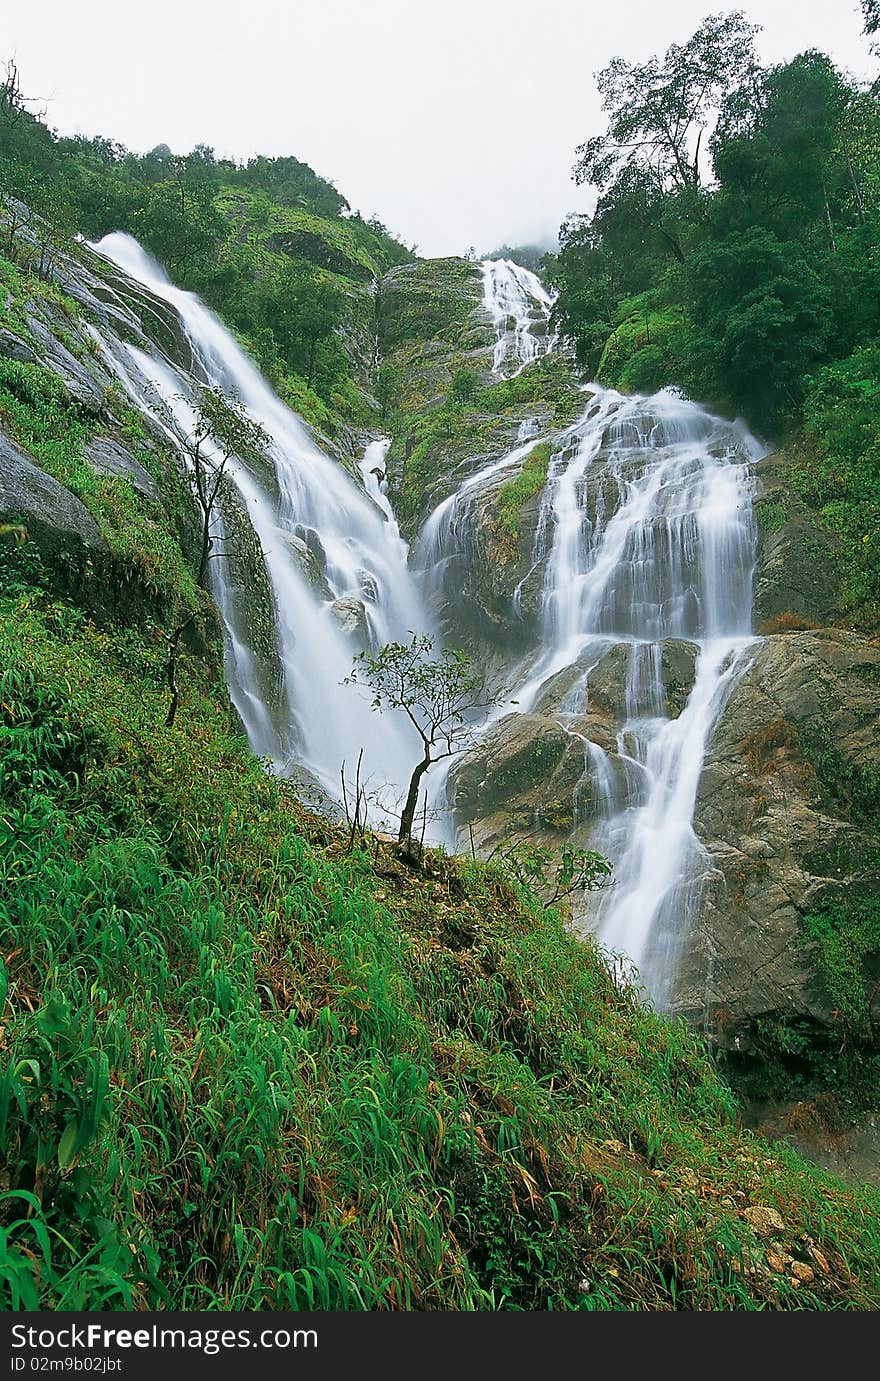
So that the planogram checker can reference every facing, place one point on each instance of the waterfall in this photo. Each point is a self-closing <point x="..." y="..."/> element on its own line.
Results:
<point x="652" y="541"/>
<point x="647" y="542"/>
<point x="443" y="538"/>
<point x="519" y="306"/>
<point x="309" y="505"/>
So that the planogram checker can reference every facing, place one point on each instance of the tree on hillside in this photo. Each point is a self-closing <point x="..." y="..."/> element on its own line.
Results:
<point x="588" y="290"/>
<point x="464" y="388"/>
<point x="179" y="222"/>
<point x="438" y="695"/>
<point x="13" y="102"/>
<point x="647" y="167"/>
<point x="778" y="150"/>
<point x="658" y="110"/>
<point x="301" y="307"/>
<point x="529" y="256"/>
<point x="555" y="874"/>
<point x="764" y="319"/>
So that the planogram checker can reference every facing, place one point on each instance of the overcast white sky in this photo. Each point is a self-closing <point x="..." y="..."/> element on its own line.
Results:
<point x="455" y="121"/>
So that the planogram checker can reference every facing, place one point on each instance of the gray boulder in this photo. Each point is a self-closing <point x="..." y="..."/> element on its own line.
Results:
<point x="351" y="615"/>
<point x="54" y="519"/>
<point x="109" y="458"/>
<point x="12" y="347"/>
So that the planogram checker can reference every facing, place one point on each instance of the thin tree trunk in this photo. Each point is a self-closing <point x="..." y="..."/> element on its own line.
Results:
<point x="404" y="838"/>
<point x="828" y="220"/>
<point x="171" y="671"/>
<point x="860" y="205"/>
<point x="697" y="161"/>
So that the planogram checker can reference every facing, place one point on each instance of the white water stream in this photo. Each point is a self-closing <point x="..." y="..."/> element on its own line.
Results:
<point x="359" y="557"/>
<point x="652" y="542"/>
<point x="646" y="538"/>
<point x="519" y="306"/>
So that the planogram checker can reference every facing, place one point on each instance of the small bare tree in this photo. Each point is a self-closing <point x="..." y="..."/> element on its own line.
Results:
<point x="437" y="694"/>
<point x="220" y="430"/>
<point x="13" y="103"/>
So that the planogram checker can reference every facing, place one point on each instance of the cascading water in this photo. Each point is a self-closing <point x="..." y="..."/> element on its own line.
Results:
<point x="651" y="541"/>
<point x="519" y="306"/>
<point x="361" y="560"/>
<point x="443" y="536"/>
<point x="646" y="538"/>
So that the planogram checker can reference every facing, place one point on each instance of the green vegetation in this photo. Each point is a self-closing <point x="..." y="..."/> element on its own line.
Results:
<point x="831" y="1074"/>
<point x="439" y="295"/>
<point x="439" y="694"/>
<point x="559" y="873"/>
<point x="516" y="492"/>
<point x="37" y="411"/>
<point x="244" y="1068"/>
<point x="744" y="285"/>
<point x="837" y="471"/>
<point x="771" y="514"/>
<point x="481" y="421"/>
<point x="846" y="931"/>
<point x="249" y="1060"/>
<point x="854" y="787"/>
<point x="269" y="243"/>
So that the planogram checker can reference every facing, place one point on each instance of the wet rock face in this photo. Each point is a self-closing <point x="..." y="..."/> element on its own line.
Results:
<point x="518" y="781"/>
<point x="780" y="814"/>
<point x="560" y="768"/>
<point x="308" y="552"/>
<point x="351" y="615"/>
<point x="84" y="383"/>
<point x="783" y="810"/>
<point x="615" y="682"/>
<point x="108" y="457"/>
<point x="60" y="526"/>
<point x="250" y="609"/>
<point x="497" y="576"/>
<point x="12" y="347"/>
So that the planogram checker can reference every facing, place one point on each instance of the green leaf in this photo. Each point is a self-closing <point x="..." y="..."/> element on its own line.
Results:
<point x="67" y="1146"/>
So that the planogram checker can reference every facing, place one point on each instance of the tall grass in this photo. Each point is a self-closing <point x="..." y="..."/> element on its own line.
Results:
<point x="243" y="1069"/>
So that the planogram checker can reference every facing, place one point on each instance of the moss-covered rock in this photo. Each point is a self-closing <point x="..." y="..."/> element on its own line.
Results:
<point x="800" y="572"/>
